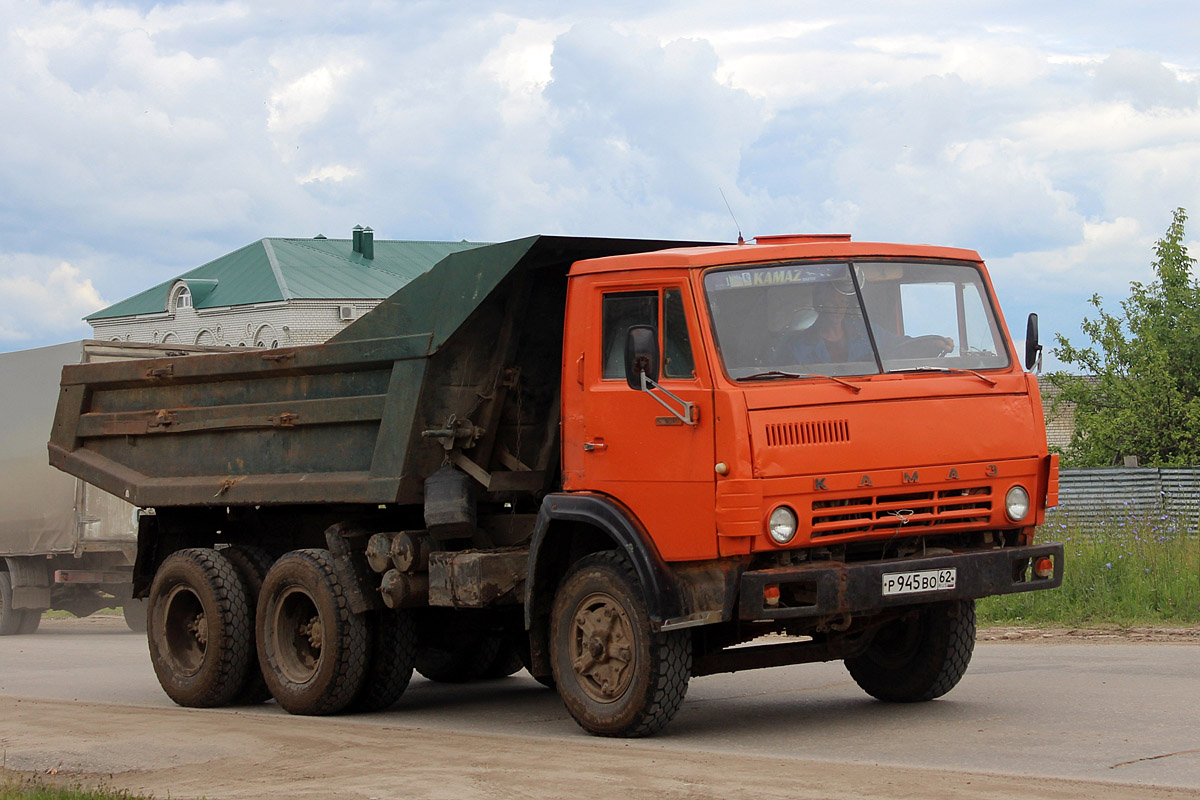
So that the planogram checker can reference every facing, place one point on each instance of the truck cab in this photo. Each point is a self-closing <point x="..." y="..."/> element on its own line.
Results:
<point x="836" y="392"/>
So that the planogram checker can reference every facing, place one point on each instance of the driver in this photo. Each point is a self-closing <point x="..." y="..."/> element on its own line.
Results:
<point x="839" y="333"/>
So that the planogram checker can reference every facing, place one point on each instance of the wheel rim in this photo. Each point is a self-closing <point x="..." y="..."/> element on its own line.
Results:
<point x="298" y="634"/>
<point x="897" y="643"/>
<point x="602" y="647"/>
<point x="185" y="630"/>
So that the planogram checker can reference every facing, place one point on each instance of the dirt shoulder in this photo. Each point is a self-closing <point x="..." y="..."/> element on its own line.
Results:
<point x="1096" y="635"/>
<point x="228" y="755"/>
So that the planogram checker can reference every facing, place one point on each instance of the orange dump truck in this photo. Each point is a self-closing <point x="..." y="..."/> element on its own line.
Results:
<point x="616" y="463"/>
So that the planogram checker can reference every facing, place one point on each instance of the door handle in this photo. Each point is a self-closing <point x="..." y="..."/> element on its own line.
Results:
<point x="589" y="447"/>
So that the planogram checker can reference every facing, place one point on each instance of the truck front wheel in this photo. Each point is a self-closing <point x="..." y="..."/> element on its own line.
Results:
<point x="199" y="628"/>
<point x="311" y="646"/>
<point x="616" y="676"/>
<point x="920" y="656"/>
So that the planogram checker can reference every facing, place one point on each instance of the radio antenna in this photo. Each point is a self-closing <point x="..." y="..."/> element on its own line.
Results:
<point x="731" y="214"/>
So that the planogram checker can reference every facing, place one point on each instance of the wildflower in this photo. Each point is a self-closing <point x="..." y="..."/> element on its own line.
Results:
<point x="1108" y="565"/>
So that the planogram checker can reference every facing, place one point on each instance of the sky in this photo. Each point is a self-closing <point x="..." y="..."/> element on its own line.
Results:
<point x="139" y="140"/>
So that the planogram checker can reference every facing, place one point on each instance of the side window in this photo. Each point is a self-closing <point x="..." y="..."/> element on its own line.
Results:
<point x="677" y="344"/>
<point x="622" y="310"/>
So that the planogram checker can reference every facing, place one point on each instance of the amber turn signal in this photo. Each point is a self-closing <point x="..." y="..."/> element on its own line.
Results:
<point x="1043" y="567"/>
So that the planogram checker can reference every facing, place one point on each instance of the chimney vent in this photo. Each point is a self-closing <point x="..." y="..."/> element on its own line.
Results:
<point x="356" y="237"/>
<point x="368" y="243"/>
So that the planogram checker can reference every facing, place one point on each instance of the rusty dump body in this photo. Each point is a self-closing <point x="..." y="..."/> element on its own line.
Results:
<point x="807" y="436"/>
<point x="342" y="422"/>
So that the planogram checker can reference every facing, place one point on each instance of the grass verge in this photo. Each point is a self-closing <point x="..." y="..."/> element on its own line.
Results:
<point x="15" y="786"/>
<point x="1124" y="571"/>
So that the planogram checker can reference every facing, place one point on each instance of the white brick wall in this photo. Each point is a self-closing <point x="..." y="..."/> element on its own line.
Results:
<point x="288" y="322"/>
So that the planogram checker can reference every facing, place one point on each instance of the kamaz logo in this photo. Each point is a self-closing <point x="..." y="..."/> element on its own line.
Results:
<point x="865" y="480"/>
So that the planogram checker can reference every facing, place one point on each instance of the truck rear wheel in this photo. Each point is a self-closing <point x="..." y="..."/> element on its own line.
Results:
<point x="10" y="618"/>
<point x="460" y="662"/>
<point x="32" y="621"/>
<point x="252" y="564"/>
<point x="616" y="676"/>
<point x="312" y="648"/>
<point x="199" y="628"/>
<point x="390" y="664"/>
<point x="918" y="657"/>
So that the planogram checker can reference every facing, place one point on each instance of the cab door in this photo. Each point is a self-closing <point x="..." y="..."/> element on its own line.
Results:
<point x="626" y="443"/>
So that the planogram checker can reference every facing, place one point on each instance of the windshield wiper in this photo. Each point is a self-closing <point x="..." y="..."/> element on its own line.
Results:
<point x="774" y="374"/>
<point x="981" y="377"/>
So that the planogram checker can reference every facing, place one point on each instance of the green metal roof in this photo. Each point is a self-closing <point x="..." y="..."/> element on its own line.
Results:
<point x="294" y="269"/>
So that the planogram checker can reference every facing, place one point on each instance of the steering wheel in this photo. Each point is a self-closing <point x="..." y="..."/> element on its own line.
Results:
<point x="920" y="346"/>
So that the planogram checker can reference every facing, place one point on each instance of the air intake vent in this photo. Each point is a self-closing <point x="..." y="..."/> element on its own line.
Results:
<point x="797" y="434"/>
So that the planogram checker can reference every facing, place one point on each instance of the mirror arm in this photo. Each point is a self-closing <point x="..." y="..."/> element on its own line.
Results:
<point x="688" y="417"/>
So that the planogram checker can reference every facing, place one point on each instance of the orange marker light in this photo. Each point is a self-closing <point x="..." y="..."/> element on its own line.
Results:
<point x="771" y="595"/>
<point x="1043" y="567"/>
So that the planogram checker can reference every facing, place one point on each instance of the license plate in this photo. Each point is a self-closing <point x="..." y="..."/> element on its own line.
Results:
<point x="928" y="580"/>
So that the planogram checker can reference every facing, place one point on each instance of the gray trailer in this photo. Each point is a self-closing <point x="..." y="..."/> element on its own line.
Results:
<point x="63" y="543"/>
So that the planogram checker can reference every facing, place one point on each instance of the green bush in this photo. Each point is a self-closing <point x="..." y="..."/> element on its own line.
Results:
<point x="1126" y="570"/>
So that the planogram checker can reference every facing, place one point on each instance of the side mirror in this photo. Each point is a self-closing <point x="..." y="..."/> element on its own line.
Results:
<point x="641" y="355"/>
<point x="1033" y="350"/>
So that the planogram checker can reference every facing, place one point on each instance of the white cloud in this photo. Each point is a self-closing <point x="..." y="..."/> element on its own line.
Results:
<point x="1143" y="81"/>
<point x="40" y="301"/>
<point x="330" y="172"/>
<point x="148" y="141"/>
<point x="520" y="61"/>
<point x="303" y="101"/>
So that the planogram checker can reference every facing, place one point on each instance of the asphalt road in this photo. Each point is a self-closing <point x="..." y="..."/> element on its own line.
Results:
<point x="1124" y="713"/>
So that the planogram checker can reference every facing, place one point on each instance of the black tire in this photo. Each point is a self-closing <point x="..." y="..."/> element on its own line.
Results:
<point x="506" y="662"/>
<point x="252" y="564"/>
<point x="522" y="648"/>
<point x="31" y="621"/>
<point x="134" y="612"/>
<point x="463" y="659"/>
<point x="198" y="628"/>
<point x="312" y="648"/>
<point x="616" y="676"/>
<point x="390" y="663"/>
<point x="918" y="657"/>
<point x="10" y="618"/>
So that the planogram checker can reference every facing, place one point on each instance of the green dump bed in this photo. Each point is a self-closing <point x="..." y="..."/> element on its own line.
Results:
<point x="471" y="349"/>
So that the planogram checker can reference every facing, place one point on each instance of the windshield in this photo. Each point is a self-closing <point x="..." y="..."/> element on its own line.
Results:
<point x="860" y="318"/>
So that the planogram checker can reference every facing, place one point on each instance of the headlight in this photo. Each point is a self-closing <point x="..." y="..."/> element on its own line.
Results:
<point x="782" y="525"/>
<point x="1016" y="503"/>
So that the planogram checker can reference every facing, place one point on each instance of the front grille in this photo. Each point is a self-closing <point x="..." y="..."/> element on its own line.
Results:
<point x="794" y="434"/>
<point x="889" y="512"/>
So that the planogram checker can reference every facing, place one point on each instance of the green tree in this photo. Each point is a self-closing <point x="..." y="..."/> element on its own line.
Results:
<point x="1137" y="387"/>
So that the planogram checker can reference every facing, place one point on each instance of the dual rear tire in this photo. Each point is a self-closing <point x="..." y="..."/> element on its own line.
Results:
<point x="200" y="628"/>
<point x="15" y="621"/>
<point x="228" y="627"/>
